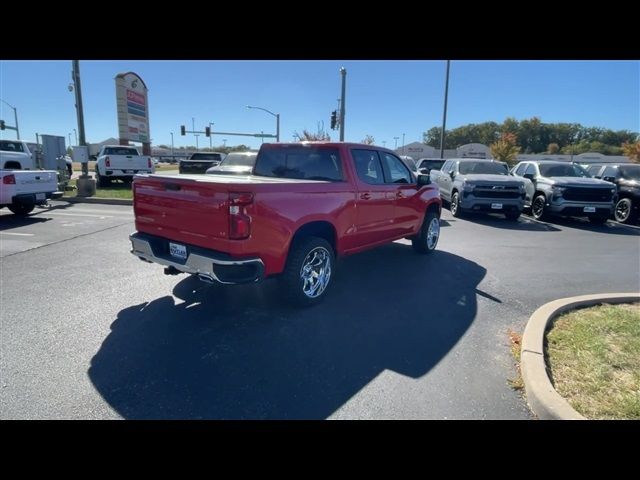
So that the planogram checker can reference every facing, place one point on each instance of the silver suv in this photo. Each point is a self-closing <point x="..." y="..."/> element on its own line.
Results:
<point x="472" y="185"/>
<point x="564" y="188"/>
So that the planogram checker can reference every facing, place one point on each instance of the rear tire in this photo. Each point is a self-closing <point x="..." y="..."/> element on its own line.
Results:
<point x="101" y="182"/>
<point x="309" y="271"/>
<point x="21" y="209"/>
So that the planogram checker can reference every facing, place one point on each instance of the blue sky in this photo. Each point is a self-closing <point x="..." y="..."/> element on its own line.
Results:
<point x="384" y="98"/>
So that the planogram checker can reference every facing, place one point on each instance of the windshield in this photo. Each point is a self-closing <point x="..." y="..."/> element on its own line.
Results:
<point x="630" y="172"/>
<point x="562" y="170"/>
<point x="482" y="167"/>
<point x="240" y="159"/>
<point x="6" y="146"/>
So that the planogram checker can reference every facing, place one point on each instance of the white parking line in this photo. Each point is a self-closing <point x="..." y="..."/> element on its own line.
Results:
<point x="77" y="215"/>
<point x="18" y="234"/>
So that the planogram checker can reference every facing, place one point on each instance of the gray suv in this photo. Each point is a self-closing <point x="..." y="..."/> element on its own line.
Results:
<point x="470" y="184"/>
<point x="564" y="188"/>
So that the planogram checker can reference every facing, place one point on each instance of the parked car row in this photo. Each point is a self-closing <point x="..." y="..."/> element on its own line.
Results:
<point x="542" y="187"/>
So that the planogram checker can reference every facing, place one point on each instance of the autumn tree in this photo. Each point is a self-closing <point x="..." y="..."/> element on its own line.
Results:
<point x="632" y="150"/>
<point x="368" y="140"/>
<point x="553" y="148"/>
<point x="505" y="149"/>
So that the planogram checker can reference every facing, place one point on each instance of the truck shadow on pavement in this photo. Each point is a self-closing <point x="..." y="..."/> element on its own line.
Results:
<point x="239" y="353"/>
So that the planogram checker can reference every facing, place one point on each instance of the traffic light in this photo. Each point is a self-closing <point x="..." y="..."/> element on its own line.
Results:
<point x="1" y="124"/>
<point x="207" y="131"/>
<point x="334" y="119"/>
<point x="182" y="130"/>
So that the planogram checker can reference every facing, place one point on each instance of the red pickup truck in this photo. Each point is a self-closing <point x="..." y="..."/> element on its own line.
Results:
<point x="303" y="205"/>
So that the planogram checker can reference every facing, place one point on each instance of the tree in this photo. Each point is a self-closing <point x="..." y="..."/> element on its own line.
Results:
<point x="308" y="136"/>
<point x="553" y="148"/>
<point x="368" y="140"/>
<point x="632" y="150"/>
<point x="505" y="149"/>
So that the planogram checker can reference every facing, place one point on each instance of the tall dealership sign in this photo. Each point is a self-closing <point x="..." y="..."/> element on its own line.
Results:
<point x="133" y="110"/>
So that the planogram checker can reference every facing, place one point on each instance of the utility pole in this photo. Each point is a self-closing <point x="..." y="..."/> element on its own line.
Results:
<point x="444" y="114"/>
<point x="80" y="111"/>
<point x="343" y="72"/>
<point x="403" y="144"/>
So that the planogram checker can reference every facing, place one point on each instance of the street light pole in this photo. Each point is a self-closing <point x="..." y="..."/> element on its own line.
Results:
<point x="171" y="144"/>
<point x="396" y="144"/>
<point x="210" y="136"/>
<point x="277" y="115"/>
<point x="224" y="144"/>
<point x="384" y="143"/>
<point x="403" y="144"/>
<point x="444" y="114"/>
<point x="15" y="116"/>
<point x="75" y="132"/>
<point x="69" y="138"/>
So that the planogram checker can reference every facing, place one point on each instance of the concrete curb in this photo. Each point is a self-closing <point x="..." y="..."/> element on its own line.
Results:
<point x="104" y="201"/>
<point x="543" y="399"/>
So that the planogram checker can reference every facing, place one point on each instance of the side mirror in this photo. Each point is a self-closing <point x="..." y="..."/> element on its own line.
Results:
<point x="529" y="176"/>
<point x="424" y="171"/>
<point x="424" y="180"/>
<point x="452" y="174"/>
<point x="609" y="179"/>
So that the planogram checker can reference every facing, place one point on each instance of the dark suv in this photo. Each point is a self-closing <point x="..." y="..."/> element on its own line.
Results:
<point x="627" y="178"/>
<point x="200" y="162"/>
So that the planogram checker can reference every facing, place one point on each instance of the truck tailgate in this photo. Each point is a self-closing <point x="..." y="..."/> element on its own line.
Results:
<point x="128" y="162"/>
<point x="182" y="209"/>
<point x="36" y="181"/>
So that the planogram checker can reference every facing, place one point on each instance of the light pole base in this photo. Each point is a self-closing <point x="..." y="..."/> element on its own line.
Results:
<point x="86" y="186"/>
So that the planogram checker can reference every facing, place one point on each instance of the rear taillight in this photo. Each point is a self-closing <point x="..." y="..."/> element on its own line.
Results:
<point x="107" y="162"/>
<point x="9" y="180"/>
<point x="239" y="221"/>
<point x="149" y="163"/>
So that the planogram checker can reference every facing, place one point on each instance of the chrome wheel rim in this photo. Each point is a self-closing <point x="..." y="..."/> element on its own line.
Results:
<point x="454" y="204"/>
<point x="538" y="207"/>
<point x="622" y="211"/>
<point x="316" y="272"/>
<point x="433" y="233"/>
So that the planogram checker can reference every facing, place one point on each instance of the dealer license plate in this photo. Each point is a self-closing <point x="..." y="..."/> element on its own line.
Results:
<point x="496" y="206"/>
<point x="40" y="196"/>
<point x="178" y="251"/>
<point x="589" y="209"/>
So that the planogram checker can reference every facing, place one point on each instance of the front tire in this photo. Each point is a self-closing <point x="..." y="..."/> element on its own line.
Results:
<point x="539" y="207"/>
<point x="21" y="209"/>
<point x="309" y="271"/>
<point x="427" y="238"/>
<point x="454" y="207"/>
<point x="623" y="211"/>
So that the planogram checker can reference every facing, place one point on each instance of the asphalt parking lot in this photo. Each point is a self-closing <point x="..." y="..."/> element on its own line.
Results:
<point x="90" y="332"/>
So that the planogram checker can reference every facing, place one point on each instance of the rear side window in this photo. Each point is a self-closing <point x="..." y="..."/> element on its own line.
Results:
<point x="7" y="146"/>
<point x="368" y="166"/>
<point x="306" y="163"/>
<point x="120" y="151"/>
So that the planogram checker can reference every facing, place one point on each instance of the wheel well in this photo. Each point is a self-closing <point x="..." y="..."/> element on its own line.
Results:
<point x="13" y="165"/>
<point x="539" y="192"/>
<point x="317" y="229"/>
<point x="434" y="207"/>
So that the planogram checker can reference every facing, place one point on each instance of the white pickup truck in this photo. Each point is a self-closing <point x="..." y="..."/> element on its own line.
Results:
<point x="15" y="155"/>
<point x="22" y="190"/>
<point x="121" y="162"/>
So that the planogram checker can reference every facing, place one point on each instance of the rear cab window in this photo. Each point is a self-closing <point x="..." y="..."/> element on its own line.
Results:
<point x="120" y="151"/>
<point x="300" y="162"/>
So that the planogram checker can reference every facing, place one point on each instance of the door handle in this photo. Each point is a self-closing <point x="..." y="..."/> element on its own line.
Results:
<point x="365" y="196"/>
<point x="399" y="195"/>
